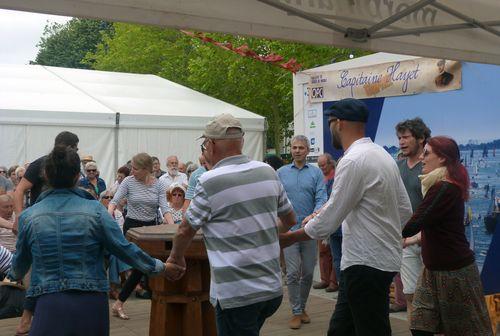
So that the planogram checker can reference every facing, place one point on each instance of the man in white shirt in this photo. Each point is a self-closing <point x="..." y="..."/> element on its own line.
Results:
<point x="173" y="174"/>
<point x="370" y="201"/>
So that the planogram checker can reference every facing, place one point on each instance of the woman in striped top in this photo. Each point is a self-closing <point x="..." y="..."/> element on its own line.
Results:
<point x="144" y="194"/>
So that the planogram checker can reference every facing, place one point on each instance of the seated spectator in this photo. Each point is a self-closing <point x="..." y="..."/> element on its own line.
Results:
<point x="5" y="261"/>
<point x="92" y="181"/>
<point x="182" y="167"/>
<point x="175" y="197"/>
<point x="121" y="173"/>
<point x="5" y="184"/>
<point x="7" y="237"/>
<point x="11" y="174"/>
<point x="173" y="174"/>
<point x="157" y="172"/>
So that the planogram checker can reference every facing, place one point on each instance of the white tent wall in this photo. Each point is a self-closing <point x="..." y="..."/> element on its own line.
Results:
<point x="182" y="143"/>
<point x="26" y="143"/>
<point x="154" y="115"/>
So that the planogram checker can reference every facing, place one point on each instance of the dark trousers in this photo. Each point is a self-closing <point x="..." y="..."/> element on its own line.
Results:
<point x="75" y="313"/>
<point x="246" y="320"/>
<point x="421" y="333"/>
<point x="136" y="275"/>
<point x="363" y="303"/>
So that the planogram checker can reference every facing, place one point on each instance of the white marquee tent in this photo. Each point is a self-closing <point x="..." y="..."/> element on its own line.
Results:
<point x="115" y="115"/>
<point x="452" y="29"/>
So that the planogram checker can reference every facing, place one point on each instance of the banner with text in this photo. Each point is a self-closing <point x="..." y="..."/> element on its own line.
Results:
<point x="385" y="80"/>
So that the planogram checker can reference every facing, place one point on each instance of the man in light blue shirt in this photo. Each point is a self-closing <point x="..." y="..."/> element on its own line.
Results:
<point x="307" y="192"/>
<point x="193" y="180"/>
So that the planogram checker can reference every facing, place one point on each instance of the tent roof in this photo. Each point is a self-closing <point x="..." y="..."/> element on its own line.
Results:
<point x="451" y="29"/>
<point x="35" y="94"/>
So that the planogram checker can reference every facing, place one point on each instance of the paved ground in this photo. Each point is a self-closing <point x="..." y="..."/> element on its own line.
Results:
<point x="320" y="308"/>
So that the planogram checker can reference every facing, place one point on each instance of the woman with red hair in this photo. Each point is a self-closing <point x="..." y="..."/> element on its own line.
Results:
<point x="449" y="296"/>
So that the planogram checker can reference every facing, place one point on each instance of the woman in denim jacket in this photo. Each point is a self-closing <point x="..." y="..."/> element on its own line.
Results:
<point x="63" y="238"/>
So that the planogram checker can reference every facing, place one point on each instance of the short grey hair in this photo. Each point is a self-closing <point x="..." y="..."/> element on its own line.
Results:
<point x="91" y="165"/>
<point x="301" y="138"/>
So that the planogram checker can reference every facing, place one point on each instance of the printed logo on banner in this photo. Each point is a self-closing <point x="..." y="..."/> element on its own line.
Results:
<point x="317" y="92"/>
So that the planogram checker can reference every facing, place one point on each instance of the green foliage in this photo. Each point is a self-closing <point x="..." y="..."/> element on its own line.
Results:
<point x="256" y="86"/>
<point x="65" y="45"/>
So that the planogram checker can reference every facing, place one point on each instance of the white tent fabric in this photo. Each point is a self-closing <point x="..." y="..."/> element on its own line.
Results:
<point x="153" y="115"/>
<point x="452" y="29"/>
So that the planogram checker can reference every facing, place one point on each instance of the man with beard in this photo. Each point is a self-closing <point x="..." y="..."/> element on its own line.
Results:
<point x="173" y="174"/>
<point x="412" y="135"/>
<point x="370" y="201"/>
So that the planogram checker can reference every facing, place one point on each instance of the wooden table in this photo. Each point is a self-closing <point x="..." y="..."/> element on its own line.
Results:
<point x="181" y="307"/>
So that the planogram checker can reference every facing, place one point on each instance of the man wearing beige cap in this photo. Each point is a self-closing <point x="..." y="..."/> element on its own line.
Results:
<point x="237" y="204"/>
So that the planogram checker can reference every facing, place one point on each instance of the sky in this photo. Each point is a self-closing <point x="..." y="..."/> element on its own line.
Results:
<point x="19" y="34"/>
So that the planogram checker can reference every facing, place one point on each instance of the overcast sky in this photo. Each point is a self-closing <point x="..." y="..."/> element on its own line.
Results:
<point x="19" y="34"/>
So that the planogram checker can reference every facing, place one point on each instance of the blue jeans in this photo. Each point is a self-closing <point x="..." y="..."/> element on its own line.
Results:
<point x="246" y="320"/>
<point x="300" y="259"/>
<point x="336" y="248"/>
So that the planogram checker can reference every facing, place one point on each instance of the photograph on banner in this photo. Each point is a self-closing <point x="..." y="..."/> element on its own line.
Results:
<point x="401" y="78"/>
<point x="470" y="116"/>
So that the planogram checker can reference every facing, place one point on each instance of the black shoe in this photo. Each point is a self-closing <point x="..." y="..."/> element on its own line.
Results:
<point x="146" y="295"/>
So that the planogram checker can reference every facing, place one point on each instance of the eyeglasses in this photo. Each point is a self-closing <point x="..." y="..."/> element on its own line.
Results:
<point x="107" y="197"/>
<point x="426" y="152"/>
<point x="178" y="195"/>
<point x="2" y="171"/>
<point x="204" y="146"/>
<point x="91" y="170"/>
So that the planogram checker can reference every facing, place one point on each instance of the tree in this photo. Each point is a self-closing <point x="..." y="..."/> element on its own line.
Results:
<point x="66" y="45"/>
<point x="258" y="87"/>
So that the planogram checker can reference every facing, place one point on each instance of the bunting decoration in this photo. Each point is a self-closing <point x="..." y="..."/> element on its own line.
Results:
<point x="243" y="50"/>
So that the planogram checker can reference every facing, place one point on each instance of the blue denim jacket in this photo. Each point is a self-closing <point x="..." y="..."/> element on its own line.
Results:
<point x="64" y="237"/>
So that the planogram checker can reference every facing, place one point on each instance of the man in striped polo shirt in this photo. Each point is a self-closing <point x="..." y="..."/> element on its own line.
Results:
<point x="237" y="204"/>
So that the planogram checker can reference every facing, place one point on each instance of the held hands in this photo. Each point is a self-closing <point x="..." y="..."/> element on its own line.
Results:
<point x="175" y="268"/>
<point x="286" y="239"/>
<point x="308" y="218"/>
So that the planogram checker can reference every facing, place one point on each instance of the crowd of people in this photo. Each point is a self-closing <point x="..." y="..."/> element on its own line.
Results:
<point x="372" y="221"/>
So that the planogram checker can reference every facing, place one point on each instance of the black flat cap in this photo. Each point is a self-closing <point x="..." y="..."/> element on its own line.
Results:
<point x="349" y="109"/>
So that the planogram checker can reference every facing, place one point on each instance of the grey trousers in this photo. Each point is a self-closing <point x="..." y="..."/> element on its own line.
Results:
<point x="300" y="259"/>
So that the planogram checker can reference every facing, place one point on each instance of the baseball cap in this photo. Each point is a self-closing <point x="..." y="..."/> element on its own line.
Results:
<point x="217" y="127"/>
<point x="349" y="109"/>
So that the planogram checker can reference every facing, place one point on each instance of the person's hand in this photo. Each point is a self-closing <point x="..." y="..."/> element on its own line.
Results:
<point x="111" y="213"/>
<point x="173" y="271"/>
<point x="307" y="219"/>
<point x="15" y="226"/>
<point x="175" y="268"/>
<point x="286" y="239"/>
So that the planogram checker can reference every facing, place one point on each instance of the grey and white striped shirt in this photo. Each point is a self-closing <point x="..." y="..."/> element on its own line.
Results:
<point x="5" y="260"/>
<point x="143" y="200"/>
<point x="237" y="204"/>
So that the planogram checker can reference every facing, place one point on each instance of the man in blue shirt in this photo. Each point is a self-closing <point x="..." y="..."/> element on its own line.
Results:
<point x="306" y="191"/>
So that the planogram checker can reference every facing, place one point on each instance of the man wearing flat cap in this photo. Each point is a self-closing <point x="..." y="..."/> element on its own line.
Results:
<point x="369" y="200"/>
<point x="237" y="204"/>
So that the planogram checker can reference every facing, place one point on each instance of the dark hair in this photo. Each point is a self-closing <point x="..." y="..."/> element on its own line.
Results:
<point x="123" y="170"/>
<point x="447" y="149"/>
<point x="154" y="158"/>
<point x="417" y="128"/>
<point x="61" y="167"/>
<point x="274" y="161"/>
<point x="67" y="139"/>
